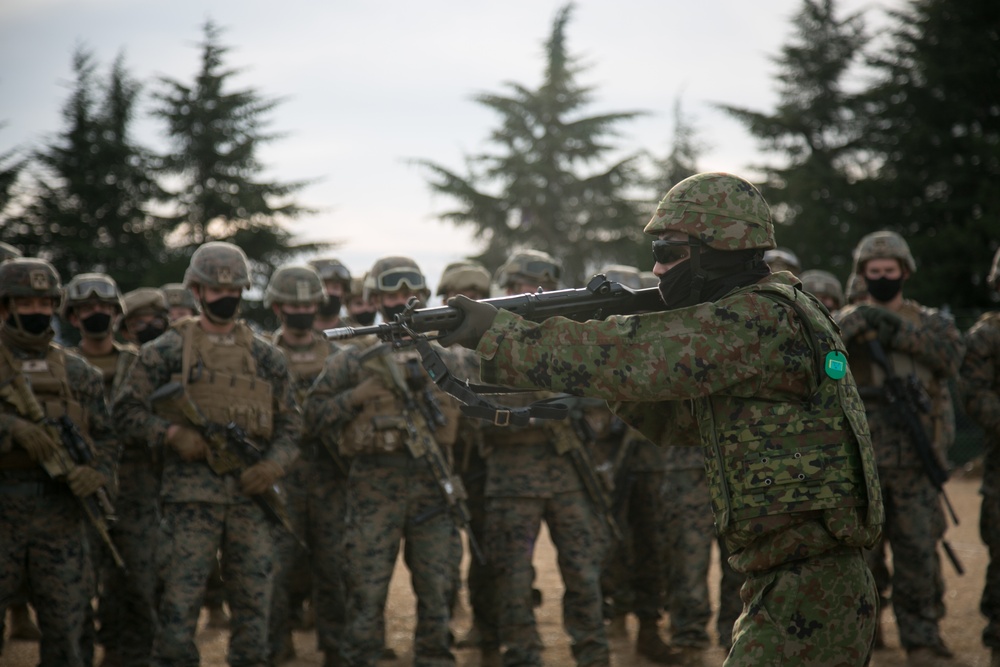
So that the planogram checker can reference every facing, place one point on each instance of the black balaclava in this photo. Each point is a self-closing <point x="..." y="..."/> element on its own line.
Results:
<point x="710" y="274"/>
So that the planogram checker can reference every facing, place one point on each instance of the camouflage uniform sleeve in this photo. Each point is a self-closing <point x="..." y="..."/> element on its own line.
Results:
<point x="137" y="424"/>
<point x="726" y="347"/>
<point x="88" y="385"/>
<point x="327" y="402"/>
<point x="283" y="448"/>
<point x="936" y="343"/>
<point x="6" y="424"/>
<point x="979" y="382"/>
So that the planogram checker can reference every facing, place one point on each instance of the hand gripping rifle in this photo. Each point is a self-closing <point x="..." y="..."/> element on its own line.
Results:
<point x="906" y="399"/>
<point x="601" y="298"/>
<point x="230" y="451"/>
<point x="75" y="452"/>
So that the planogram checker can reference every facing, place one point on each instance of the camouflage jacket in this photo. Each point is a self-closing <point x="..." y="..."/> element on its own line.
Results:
<point x="927" y="347"/>
<point x="756" y="377"/>
<point x="160" y="361"/>
<point x="980" y="383"/>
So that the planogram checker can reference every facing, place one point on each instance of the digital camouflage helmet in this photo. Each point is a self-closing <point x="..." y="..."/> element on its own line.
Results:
<point x="823" y="283"/>
<point x="332" y="270"/>
<point x="85" y="287"/>
<point x="145" y="301"/>
<point x="883" y="245"/>
<point x="178" y="296"/>
<point x="294" y="285"/>
<point x="721" y="210"/>
<point x="629" y="276"/>
<point x="464" y="276"/>
<point x="782" y="259"/>
<point x="29" y="277"/>
<point x="530" y="266"/>
<point x="218" y="264"/>
<point x="392" y="274"/>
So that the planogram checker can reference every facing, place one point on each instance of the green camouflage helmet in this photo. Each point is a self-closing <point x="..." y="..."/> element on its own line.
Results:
<point x="30" y="277"/>
<point x="8" y="251"/>
<point x="464" y="277"/>
<point x="721" y="210"/>
<point x="86" y="287"/>
<point x="392" y="274"/>
<point x="629" y="276"/>
<point x="145" y="301"/>
<point x="823" y="283"/>
<point x="330" y="269"/>
<point x="218" y="264"/>
<point x="883" y="245"/>
<point x="294" y="284"/>
<point x="178" y="296"/>
<point x="530" y="266"/>
<point x="993" y="279"/>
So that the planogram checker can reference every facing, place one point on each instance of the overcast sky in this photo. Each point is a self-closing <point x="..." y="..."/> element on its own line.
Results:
<point x="369" y="85"/>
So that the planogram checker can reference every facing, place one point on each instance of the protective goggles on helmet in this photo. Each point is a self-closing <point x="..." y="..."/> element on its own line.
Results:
<point x="393" y="280"/>
<point x="666" y="251"/>
<point x="333" y="272"/>
<point x="86" y="289"/>
<point x="536" y="268"/>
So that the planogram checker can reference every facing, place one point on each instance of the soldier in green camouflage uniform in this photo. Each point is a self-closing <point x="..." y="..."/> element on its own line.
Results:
<point x="980" y="375"/>
<point x="43" y="541"/>
<point x="313" y="487"/>
<point x="373" y="398"/>
<point x="788" y="454"/>
<point x="231" y="375"/>
<point x="531" y="479"/>
<point x="924" y="347"/>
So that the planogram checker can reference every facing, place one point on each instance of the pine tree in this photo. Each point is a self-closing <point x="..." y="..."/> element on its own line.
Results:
<point x="216" y="133"/>
<point x="934" y="123"/>
<point x="11" y="167"/>
<point x="816" y="129"/>
<point x="535" y="190"/>
<point x="87" y="203"/>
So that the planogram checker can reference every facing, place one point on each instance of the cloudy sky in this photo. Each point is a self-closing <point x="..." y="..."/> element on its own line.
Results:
<point x="370" y="85"/>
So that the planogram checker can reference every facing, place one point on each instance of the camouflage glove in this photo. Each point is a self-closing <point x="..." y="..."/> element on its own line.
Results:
<point x="368" y="391"/>
<point x="34" y="438"/>
<point x="477" y="319"/>
<point x="188" y="443"/>
<point x="884" y="323"/>
<point x="260" y="477"/>
<point x="84" y="480"/>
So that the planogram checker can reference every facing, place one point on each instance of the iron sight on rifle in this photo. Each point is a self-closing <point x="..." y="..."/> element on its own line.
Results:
<point x="601" y="298"/>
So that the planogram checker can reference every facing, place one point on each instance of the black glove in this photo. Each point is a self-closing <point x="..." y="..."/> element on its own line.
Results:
<point x="884" y="323"/>
<point x="477" y="319"/>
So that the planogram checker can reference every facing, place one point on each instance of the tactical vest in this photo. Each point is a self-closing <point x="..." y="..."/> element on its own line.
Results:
<point x="113" y="367"/>
<point x="383" y="427"/>
<point x="220" y="375"/>
<point x="770" y="461"/>
<point x="304" y="365"/>
<point x="938" y="421"/>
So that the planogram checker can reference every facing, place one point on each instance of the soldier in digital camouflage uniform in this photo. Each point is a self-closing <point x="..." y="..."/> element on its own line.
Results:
<point x="824" y="286"/>
<point x="980" y="377"/>
<point x="788" y="454"/>
<point x="782" y="259"/>
<point x="313" y="487"/>
<point x="372" y="398"/>
<point x="530" y="480"/>
<point x="337" y="287"/>
<point x="43" y="531"/>
<point x="472" y="280"/>
<point x="924" y="347"/>
<point x="180" y="300"/>
<point x="231" y="375"/>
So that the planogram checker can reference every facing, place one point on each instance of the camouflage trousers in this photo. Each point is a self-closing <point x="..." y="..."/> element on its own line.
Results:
<point x="292" y="577"/>
<point x="914" y="524"/>
<point x="818" y="612"/>
<point x="327" y="507"/>
<point x="989" y="605"/>
<point x="481" y="580"/>
<point x="128" y="599"/>
<point x="581" y="541"/>
<point x="690" y="532"/>
<point x="191" y="535"/>
<point x="43" y="544"/>
<point x="393" y="498"/>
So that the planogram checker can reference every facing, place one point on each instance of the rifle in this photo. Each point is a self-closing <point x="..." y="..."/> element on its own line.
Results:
<point x="421" y="443"/>
<point x="601" y="298"/>
<point x="907" y="398"/>
<point x="230" y="451"/>
<point x="75" y="452"/>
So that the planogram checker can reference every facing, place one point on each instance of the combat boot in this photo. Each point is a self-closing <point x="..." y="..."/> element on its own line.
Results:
<point x="21" y="625"/>
<point x="651" y="646"/>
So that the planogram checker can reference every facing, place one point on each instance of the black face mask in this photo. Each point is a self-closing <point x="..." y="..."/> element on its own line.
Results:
<point x="299" y="321"/>
<point x="884" y="290"/>
<point x="151" y="332"/>
<point x="332" y="306"/>
<point x="389" y="312"/>
<point x="97" y="324"/>
<point x="675" y="286"/>
<point x="223" y="309"/>
<point x="365" y="318"/>
<point x="34" y="324"/>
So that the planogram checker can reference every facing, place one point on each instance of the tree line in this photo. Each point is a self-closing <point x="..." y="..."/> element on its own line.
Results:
<point x="903" y="135"/>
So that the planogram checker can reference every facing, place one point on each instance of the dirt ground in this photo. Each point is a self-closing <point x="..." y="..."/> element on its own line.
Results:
<point x="961" y="627"/>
